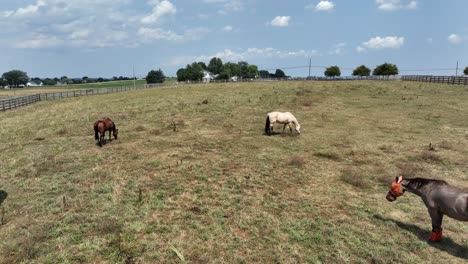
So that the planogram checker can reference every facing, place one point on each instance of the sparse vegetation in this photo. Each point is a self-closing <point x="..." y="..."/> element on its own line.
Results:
<point x="217" y="190"/>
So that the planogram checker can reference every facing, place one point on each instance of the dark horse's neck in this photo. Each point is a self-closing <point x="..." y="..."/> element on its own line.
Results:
<point x="420" y="186"/>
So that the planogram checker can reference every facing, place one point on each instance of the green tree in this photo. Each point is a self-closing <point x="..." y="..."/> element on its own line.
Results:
<point x="3" y="82"/>
<point x="244" y="69"/>
<point x="203" y="65"/>
<point x="155" y="76"/>
<point x="215" y="66"/>
<point x="222" y="76"/>
<point x="48" y="81"/>
<point x="85" y="79"/>
<point x="386" y="69"/>
<point x="264" y="74"/>
<point x="332" y="71"/>
<point x="232" y="69"/>
<point x="361" y="71"/>
<point x="465" y="71"/>
<point x="252" y="71"/>
<point x="182" y="75"/>
<point x="15" y="78"/>
<point x="279" y="74"/>
<point x="194" y="72"/>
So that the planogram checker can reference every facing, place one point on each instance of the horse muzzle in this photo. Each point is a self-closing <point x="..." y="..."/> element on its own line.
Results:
<point x="390" y="197"/>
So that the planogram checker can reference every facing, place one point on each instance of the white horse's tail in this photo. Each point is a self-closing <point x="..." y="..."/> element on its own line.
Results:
<point x="267" y="125"/>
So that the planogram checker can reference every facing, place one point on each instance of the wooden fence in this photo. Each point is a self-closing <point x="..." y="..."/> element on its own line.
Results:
<point x="436" y="79"/>
<point x="12" y="103"/>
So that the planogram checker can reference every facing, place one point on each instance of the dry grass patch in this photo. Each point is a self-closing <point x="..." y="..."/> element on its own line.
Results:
<point x="297" y="162"/>
<point x="354" y="177"/>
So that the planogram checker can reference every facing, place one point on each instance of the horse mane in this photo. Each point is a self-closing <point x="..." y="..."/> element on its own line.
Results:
<point x="417" y="183"/>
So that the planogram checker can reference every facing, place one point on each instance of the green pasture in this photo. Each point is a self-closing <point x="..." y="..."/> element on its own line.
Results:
<point x="192" y="178"/>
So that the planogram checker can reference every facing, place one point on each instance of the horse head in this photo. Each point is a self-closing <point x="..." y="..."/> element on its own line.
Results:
<point x="395" y="190"/>
<point x="298" y="128"/>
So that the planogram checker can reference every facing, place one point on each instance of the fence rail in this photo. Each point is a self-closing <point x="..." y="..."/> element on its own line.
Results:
<point x="16" y="102"/>
<point x="436" y="79"/>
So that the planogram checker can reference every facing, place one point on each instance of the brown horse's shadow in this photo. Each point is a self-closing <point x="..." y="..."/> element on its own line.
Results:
<point x="3" y="196"/>
<point x="446" y="244"/>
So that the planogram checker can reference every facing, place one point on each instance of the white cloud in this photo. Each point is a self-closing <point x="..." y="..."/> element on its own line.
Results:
<point x="227" y="28"/>
<point x="391" y="5"/>
<point x="360" y="49"/>
<point x="160" y="9"/>
<point x="337" y="49"/>
<point x="325" y="6"/>
<point x="454" y="38"/>
<point x="39" y="41"/>
<point x="429" y="40"/>
<point x="280" y="21"/>
<point x="390" y="42"/>
<point x="158" y="34"/>
<point x="228" y="6"/>
<point x="244" y="54"/>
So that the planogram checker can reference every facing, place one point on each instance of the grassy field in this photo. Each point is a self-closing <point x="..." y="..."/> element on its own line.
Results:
<point x="192" y="179"/>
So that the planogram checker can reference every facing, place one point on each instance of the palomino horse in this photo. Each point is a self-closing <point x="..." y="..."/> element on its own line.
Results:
<point x="281" y="118"/>
<point x="101" y="126"/>
<point x="439" y="197"/>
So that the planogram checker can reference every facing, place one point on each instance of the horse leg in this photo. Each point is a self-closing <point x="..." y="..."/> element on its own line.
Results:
<point x="290" y="128"/>
<point x="100" y="140"/>
<point x="436" y="217"/>
<point x="110" y="138"/>
<point x="284" y="127"/>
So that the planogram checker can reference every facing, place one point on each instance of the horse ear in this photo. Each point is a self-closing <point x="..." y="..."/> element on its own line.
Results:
<point x="400" y="179"/>
<point x="396" y="179"/>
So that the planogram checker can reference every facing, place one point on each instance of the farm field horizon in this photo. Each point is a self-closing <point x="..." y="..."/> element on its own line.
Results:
<point x="192" y="178"/>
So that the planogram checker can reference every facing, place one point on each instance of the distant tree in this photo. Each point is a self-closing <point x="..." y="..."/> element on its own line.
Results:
<point x="76" y="81"/>
<point x="361" y="71"/>
<point x="203" y="65"/>
<point x="48" y="81"/>
<point x="232" y="69"/>
<point x="223" y="76"/>
<point x="3" y="82"/>
<point x="280" y="74"/>
<point x="194" y="72"/>
<point x="115" y="78"/>
<point x="244" y="69"/>
<point x="252" y="71"/>
<point x="36" y="80"/>
<point x="182" y="75"/>
<point x="155" y="76"/>
<point x="332" y="71"/>
<point x="264" y="74"/>
<point x="215" y="66"/>
<point x="386" y="69"/>
<point x="16" y="77"/>
<point x="465" y="71"/>
<point x="100" y="79"/>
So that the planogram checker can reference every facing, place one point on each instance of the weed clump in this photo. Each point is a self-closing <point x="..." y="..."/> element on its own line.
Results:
<point x="354" y="178"/>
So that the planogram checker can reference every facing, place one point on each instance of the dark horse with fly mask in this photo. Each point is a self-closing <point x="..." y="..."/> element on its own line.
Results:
<point x="439" y="197"/>
<point x="100" y="128"/>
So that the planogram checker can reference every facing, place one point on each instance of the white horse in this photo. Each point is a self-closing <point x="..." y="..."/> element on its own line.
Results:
<point x="281" y="118"/>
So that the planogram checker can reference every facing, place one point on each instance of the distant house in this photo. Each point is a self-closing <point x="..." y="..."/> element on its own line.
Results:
<point x="208" y="76"/>
<point x="33" y="84"/>
<point x="234" y="78"/>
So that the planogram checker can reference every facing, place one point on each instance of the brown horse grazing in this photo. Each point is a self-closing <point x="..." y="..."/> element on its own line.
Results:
<point x="439" y="197"/>
<point x="101" y="126"/>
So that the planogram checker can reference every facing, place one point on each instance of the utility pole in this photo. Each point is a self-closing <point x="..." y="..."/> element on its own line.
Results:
<point x="310" y="62"/>
<point x="456" y="70"/>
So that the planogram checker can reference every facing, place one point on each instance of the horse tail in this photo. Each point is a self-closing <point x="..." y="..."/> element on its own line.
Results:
<point x="96" y="137"/>
<point x="267" y="125"/>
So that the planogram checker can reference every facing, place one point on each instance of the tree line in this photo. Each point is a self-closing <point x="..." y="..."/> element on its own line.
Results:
<point x="194" y="72"/>
<point x="18" y="78"/>
<point x="385" y="69"/>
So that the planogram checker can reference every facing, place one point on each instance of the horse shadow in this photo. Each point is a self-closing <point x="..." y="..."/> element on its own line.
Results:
<point x="446" y="244"/>
<point x="281" y="134"/>
<point x="3" y="196"/>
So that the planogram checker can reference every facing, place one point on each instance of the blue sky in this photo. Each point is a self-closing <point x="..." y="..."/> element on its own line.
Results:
<point x="105" y="38"/>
